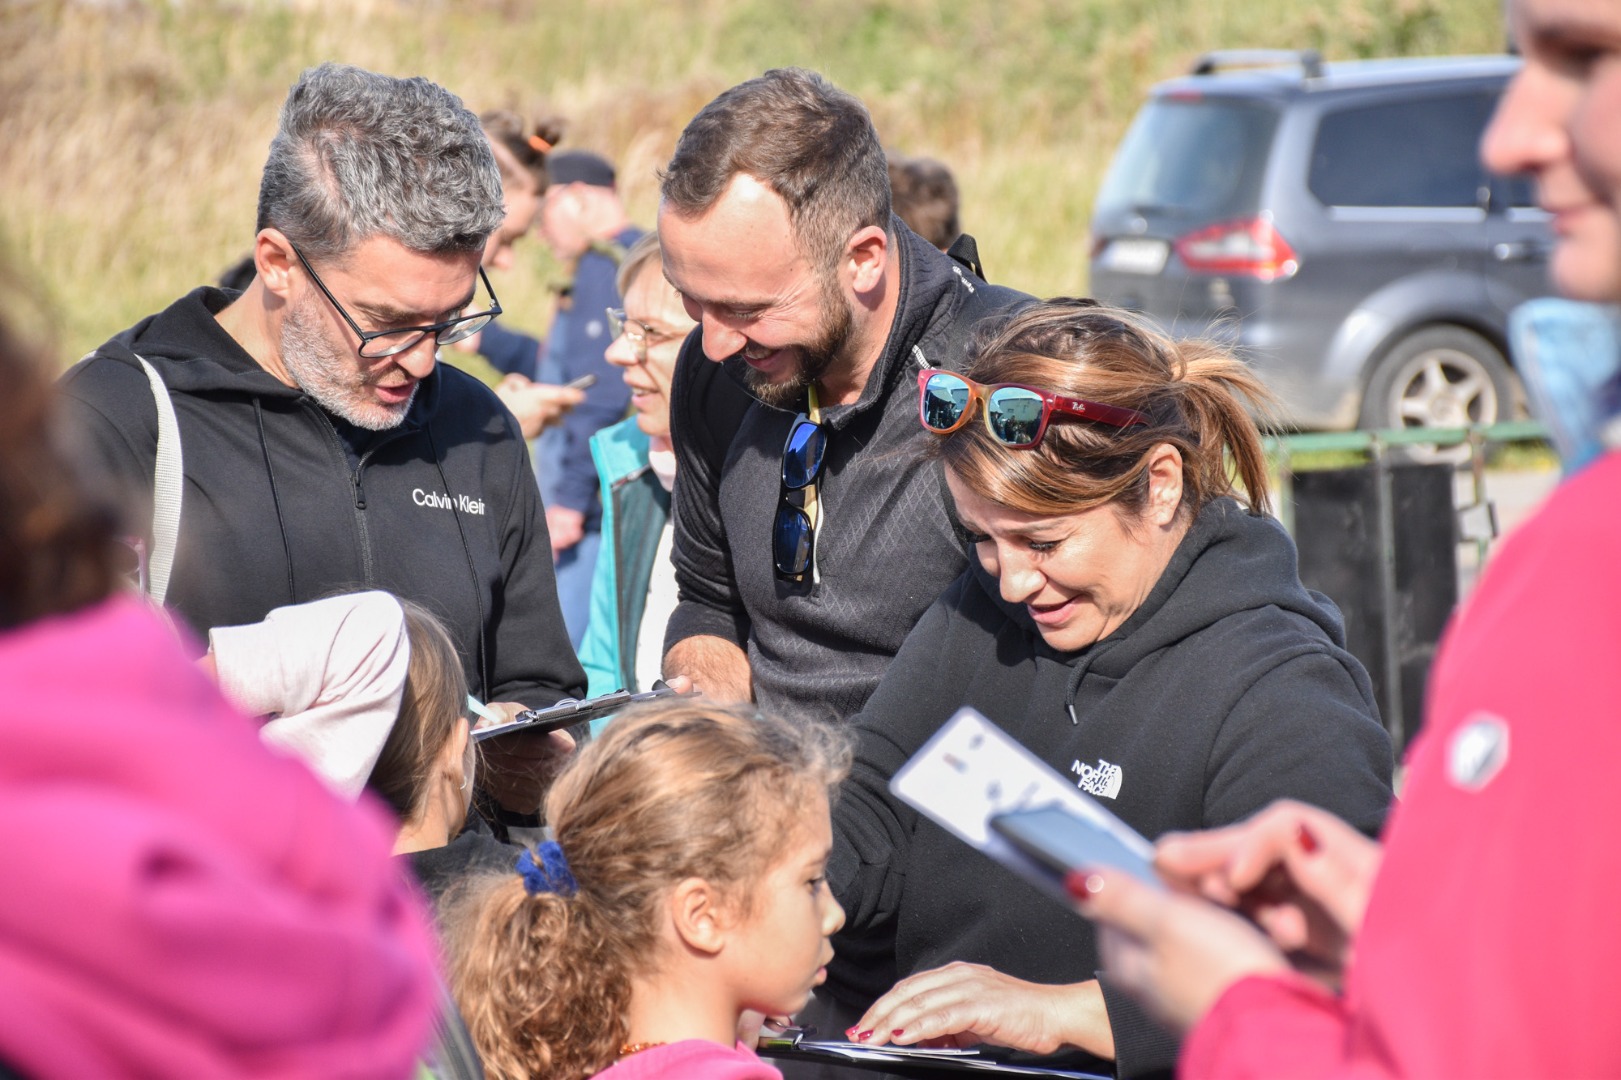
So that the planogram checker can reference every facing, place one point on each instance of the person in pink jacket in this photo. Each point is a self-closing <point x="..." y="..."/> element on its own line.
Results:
<point x="1480" y="939"/>
<point x="177" y="900"/>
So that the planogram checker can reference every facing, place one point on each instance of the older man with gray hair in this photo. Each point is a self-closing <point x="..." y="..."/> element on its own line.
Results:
<point x="323" y="447"/>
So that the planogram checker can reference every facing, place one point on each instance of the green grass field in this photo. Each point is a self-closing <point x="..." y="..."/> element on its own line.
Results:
<point x="132" y="134"/>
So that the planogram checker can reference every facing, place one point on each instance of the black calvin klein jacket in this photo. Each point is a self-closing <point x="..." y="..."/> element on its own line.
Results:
<point x="442" y="510"/>
<point x="1229" y="687"/>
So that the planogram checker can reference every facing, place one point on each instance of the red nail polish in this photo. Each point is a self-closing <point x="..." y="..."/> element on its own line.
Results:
<point x="850" y="1032"/>
<point x="1308" y="841"/>
<point x="1079" y="885"/>
<point x="864" y="1036"/>
<point x="897" y="1033"/>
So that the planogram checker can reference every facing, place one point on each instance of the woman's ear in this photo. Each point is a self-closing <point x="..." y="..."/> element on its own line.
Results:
<point x="698" y="916"/>
<point x="1164" y="484"/>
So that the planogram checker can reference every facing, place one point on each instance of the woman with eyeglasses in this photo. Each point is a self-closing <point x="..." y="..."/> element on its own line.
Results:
<point x="1136" y="621"/>
<point x="633" y="587"/>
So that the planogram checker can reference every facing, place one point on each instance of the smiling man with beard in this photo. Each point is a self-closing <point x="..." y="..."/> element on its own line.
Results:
<point x="324" y="448"/>
<point x="809" y="537"/>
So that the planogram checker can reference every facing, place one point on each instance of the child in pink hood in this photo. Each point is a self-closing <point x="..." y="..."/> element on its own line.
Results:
<point x="177" y="900"/>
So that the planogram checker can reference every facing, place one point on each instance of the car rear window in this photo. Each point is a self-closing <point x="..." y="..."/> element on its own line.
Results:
<point x="1421" y="152"/>
<point x="1200" y="157"/>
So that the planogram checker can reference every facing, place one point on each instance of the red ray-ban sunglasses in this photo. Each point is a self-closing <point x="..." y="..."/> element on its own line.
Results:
<point x="1016" y="415"/>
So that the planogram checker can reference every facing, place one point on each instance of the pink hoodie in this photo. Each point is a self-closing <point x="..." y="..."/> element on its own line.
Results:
<point x="690" y="1059"/>
<point x="178" y="900"/>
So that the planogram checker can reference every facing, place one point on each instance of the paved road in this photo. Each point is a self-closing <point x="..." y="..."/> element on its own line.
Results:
<point x="1515" y="494"/>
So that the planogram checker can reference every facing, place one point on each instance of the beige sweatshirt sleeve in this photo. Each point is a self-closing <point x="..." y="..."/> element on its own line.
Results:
<point x="330" y="674"/>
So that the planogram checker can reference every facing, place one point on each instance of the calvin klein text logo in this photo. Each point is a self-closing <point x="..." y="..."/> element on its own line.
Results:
<point x="438" y="500"/>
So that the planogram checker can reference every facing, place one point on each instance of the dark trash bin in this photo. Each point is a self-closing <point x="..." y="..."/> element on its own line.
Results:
<point x="1381" y="540"/>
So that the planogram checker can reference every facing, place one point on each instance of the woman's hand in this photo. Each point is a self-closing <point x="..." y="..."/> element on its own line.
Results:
<point x="966" y="1004"/>
<point x="1301" y="873"/>
<point x="1176" y="953"/>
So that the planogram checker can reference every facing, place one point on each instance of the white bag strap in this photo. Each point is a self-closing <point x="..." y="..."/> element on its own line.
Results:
<point x="167" y="486"/>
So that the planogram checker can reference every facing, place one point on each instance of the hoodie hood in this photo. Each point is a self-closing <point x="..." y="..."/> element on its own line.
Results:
<point x="1229" y="561"/>
<point x="183" y="901"/>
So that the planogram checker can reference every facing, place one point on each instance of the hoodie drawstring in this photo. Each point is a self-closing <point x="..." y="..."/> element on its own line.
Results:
<point x="275" y="500"/>
<point x="472" y="570"/>
<point x="1075" y="676"/>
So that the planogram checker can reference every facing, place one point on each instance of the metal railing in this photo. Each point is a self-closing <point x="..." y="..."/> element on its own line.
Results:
<point x="1477" y="521"/>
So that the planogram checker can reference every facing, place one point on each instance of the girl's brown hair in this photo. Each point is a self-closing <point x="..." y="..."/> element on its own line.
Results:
<point x="667" y="792"/>
<point x="435" y="701"/>
<point x="528" y="146"/>
<point x="1196" y="394"/>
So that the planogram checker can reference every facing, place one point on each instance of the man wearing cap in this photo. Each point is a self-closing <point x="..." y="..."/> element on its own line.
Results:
<point x="583" y="222"/>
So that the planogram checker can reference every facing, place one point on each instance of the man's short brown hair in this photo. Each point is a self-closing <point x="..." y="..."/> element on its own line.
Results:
<point x="801" y="136"/>
<point x="925" y="197"/>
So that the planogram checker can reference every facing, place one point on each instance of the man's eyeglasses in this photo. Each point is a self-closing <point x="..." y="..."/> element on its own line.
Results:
<point x="793" y="537"/>
<point x="639" y="334"/>
<point x="376" y="344"/>
<point x="1016" y="415"/>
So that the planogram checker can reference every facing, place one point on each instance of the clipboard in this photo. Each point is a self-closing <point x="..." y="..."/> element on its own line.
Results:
<point x="796" y="1044"/>
<point x="570" y="711"/>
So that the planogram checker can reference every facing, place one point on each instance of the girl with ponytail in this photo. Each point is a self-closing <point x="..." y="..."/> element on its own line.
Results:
<point x="685" y="886"/>
<point x="1135" y="619"/>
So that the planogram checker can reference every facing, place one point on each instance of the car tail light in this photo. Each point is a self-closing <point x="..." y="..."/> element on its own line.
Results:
<point x="1249" y="246"/>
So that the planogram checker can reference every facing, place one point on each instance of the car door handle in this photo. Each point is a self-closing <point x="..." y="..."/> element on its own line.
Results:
<point x="1520" y="251"/>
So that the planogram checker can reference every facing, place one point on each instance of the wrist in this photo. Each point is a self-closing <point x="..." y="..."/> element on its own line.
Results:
<point x="1082" y="1018"/>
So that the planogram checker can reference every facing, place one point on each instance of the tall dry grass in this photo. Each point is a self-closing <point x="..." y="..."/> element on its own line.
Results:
<point x="132" y="134"/>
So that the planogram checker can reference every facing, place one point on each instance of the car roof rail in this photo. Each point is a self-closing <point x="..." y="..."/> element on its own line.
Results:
<point x="1310" y="60"/>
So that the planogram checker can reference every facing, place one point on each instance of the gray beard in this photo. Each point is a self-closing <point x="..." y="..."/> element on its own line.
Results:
<point x="330" y="377"/>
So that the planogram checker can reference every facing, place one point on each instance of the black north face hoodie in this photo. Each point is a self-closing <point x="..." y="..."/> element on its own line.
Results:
<point x="1229" y="687"/>
<point x="276" y="510"/>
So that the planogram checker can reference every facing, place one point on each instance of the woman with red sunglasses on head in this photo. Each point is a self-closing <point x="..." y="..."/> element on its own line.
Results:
<point x="1135" y="625"/>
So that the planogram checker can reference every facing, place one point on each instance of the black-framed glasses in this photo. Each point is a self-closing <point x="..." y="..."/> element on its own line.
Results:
<point x="793" y="537"/>
<point x="640" y="335"/>
<point x="1016" y="415"/>
<point x="376" y="344"/>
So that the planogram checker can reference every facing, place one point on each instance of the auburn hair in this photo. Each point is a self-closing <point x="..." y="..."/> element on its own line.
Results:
<point x="57" y="546"/>
<point x="1196" y="395"/>
<point x="668" y="791"/>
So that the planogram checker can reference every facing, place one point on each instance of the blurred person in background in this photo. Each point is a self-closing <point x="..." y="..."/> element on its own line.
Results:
<point x="584" y="223"/>
<point x="924" y="195"/>
<point x="182" y="902"/>
<point x="633" y="591"/>
<point x="520" y="154"/>
<point x="1479" y="938"/>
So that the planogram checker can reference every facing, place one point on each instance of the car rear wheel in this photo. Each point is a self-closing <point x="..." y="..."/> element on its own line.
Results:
<point x="1441" y="376"/>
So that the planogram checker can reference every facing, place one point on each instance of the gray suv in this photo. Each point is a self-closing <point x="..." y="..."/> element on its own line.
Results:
<point x="1334" y="221"/>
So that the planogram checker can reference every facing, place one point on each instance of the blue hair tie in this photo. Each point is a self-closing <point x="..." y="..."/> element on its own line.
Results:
<point x="550" y="875"/>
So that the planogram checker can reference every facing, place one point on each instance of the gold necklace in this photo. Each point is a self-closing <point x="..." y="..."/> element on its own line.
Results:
<point x="636" y="1048"/>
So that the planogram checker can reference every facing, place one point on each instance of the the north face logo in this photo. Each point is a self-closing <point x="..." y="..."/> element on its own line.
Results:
<point x="1102" y="780"/>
